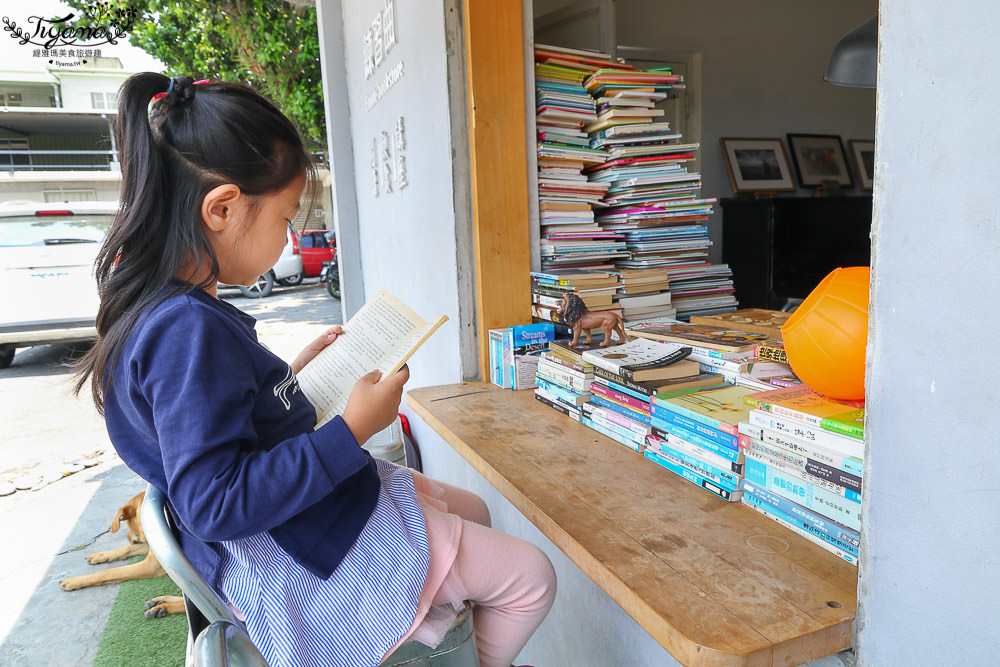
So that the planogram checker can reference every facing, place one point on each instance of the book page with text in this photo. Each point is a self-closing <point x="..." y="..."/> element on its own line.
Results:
<point x="382" y="335"/>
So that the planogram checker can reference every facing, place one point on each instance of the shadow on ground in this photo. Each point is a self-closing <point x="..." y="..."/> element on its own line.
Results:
<point x="57" y="359"/>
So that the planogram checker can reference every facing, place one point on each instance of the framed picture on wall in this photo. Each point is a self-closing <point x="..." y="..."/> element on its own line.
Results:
<point x="819" y="160"/>
<point x="757" y="165"/>
<point x="863" y="155"/>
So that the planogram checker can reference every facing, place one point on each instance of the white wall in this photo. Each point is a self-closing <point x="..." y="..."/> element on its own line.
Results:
<point x="762" y="64"/>
<point x="929" y="587"/>
<point x="76" y="87"/>
<point x="412" y="241"/>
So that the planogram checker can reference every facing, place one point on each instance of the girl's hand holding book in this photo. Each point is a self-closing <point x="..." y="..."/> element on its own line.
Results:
<point x="312" y="349"/>
<point x="374" y="403"/>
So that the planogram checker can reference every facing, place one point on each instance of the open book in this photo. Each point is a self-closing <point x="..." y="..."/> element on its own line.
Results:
<point x="382" y="335"/>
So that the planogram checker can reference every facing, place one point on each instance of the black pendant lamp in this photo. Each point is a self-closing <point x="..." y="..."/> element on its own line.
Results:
<point x="853" y="62"/>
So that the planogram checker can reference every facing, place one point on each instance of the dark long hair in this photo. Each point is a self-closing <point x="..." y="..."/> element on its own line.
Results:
<point x="194" y="139"/>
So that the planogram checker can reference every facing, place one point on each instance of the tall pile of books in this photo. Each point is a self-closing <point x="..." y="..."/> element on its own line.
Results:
<point x="569" y="235"/>
<point x="652" y="199"/>
<point x="625" y="378"/>
<point x="804" y="458"/>
<point x="596" y="289"/>
<point x="695" y="435"/>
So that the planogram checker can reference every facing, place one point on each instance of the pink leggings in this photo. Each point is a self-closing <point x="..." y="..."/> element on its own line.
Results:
<point x="511" y="581"/>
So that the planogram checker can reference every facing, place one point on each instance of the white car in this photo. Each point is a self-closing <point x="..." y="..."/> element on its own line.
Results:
<point x="47" y="254"/>
<point x="288" y="270"/>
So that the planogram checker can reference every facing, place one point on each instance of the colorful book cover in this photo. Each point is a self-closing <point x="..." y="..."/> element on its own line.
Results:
<point x="821" y="501"/>
<point x="712" y="338"/>
<point x="800" y="437"/>
<point x="803" y="404"/>
<point x="721" y="407"/>
<point x="620" y="408"/>
<point x="758" y="320"/>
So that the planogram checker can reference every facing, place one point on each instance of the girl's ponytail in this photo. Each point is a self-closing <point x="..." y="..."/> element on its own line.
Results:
<point x="196" y="137"/>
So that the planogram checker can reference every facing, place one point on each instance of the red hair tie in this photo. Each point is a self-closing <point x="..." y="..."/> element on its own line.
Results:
<point x="159" y="96"/>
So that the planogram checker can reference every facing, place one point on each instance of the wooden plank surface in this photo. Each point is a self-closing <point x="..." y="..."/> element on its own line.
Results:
<point x="494" y="74"/>
<point x="713" y="582"/>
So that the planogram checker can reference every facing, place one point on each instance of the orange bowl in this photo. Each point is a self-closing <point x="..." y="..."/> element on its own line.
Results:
<point x="826" y="337"/>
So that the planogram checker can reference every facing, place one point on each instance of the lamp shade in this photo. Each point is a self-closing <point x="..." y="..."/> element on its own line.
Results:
<point x="854" y="59"/>
<point x="826" y="337"/>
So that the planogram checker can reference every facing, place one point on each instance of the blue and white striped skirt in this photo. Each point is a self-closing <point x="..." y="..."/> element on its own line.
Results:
<point x="360" y="612"/>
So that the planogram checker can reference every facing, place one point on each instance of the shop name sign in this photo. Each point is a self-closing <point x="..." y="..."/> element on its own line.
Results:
<point x="105" y="25"/>
<point x="378" y="40"/>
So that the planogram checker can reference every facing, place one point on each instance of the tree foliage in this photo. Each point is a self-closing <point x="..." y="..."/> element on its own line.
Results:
<point x="270" y="45"/>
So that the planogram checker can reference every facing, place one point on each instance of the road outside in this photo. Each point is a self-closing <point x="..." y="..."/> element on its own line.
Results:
<point x="49" y="433"/>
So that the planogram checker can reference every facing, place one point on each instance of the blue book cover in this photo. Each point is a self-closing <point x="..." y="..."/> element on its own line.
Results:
<point x="799" y="513"/>
<point x="835" y="546"/>
<point x="559" y="392"/>
<point x="695" y="439"/>
<point x="821" y="501"/>
<point x="724" y="477"/>
<point x="631" y="414"/>
<point x="706" y="431"/>
<point x="617" y="437"/>
<point x="707" y="484"/>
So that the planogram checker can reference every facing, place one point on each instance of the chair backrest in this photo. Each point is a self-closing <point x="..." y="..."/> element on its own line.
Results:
<point x="224" y="641"/>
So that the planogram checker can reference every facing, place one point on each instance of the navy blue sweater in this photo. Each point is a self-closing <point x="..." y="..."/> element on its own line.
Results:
<point x="200" y="409"/>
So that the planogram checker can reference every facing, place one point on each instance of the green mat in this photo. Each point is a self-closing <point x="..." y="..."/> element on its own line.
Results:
<point x="132" y="640"/>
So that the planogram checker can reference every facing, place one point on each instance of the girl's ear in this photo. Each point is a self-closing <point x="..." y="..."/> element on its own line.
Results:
<point x="220" y="208"/>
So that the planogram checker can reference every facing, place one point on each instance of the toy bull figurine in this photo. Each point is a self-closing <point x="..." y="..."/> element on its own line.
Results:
<point x="576" y="315"/>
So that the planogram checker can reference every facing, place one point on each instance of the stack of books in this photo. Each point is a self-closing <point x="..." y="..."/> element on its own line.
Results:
<point x="653" y="200"/>
<point x="563" y="379"/>
<point x="761" y="321"/>
<point x="644" y="296"/>
<point x="595" y="288"/>
<point x="625" y="377"/>
<point x="729" y="352"/>
<point x="701" y="290"/>
<point x="804" y="458"/>
<point x="569" y="234"/>
<point x="695" y="435"/>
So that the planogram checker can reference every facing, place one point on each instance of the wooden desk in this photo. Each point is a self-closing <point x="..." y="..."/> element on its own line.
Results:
<point x="713" y="582"/>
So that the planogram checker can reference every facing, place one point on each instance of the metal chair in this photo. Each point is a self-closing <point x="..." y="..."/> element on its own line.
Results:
<point x="217" y="638"/>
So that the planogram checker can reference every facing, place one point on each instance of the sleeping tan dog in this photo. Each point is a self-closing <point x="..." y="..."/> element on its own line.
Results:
<point x="147" y="568"/>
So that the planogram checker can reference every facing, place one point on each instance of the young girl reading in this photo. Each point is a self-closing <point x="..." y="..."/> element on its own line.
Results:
<point x="330" y="556"/>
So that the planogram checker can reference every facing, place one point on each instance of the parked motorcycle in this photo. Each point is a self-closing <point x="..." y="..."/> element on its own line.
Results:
<point x="330" y="276"/>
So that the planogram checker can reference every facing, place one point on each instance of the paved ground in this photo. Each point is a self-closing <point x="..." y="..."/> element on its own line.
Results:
<point x="49" y="531"/>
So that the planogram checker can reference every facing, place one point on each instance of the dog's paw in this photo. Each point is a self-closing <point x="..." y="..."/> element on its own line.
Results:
<point x="159" y="607"/>
<point x="70" y="584"/>
<point x="99" y="557"/>
<point x="155" y="611"/>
